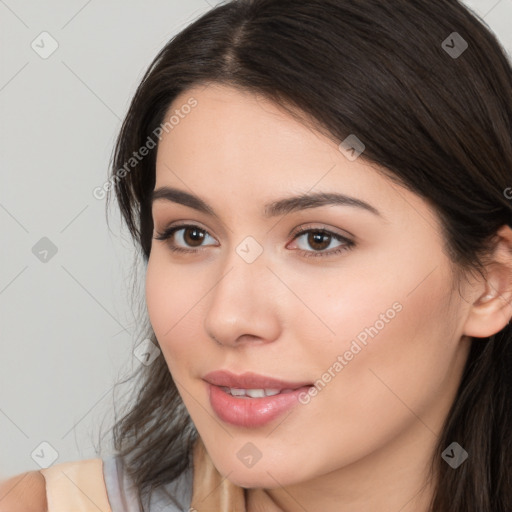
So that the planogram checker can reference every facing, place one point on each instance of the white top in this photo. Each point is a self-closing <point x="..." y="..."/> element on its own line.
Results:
<point x="172" y="497"/>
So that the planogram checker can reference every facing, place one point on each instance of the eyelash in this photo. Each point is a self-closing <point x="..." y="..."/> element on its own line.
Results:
<point x="349" y="244"/>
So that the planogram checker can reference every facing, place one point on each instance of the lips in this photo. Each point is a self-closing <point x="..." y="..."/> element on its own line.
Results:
<point x="250" y="400"/>
<point x="250" y="380"/>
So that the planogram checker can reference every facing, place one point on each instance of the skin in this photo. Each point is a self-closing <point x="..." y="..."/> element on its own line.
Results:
<point x="25" y="492"/>
<point x="365" y="441"/>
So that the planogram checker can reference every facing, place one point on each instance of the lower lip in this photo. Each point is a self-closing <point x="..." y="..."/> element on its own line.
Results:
<point x="251" y="412"/>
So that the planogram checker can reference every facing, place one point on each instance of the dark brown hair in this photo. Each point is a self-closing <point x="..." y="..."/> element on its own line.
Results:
<point x="437" y="123"/>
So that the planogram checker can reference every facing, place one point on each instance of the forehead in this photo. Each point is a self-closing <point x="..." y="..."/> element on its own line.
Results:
<point x="239" y="124"/>
<point x="245" y="135"/>
<point x="234" y="145"/>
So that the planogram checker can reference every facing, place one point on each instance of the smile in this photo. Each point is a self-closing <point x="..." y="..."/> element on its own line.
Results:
<point x="254" y="393"/>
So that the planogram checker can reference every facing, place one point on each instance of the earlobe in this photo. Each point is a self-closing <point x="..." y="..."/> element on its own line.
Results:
<point x="489" y="315"/>
<point x="492" y="311"/>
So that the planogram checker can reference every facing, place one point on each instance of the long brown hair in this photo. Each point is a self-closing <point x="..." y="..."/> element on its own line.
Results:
<point x="433" y="108"/>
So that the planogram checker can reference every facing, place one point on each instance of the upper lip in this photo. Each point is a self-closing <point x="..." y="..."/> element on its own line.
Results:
<point x="250" y="380"/>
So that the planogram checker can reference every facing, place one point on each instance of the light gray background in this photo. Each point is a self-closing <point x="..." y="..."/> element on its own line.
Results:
<point x="66" y="328"/>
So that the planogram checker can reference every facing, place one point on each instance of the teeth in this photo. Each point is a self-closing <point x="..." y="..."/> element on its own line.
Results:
<point x="255" y="393"/>
<point x="252" y="393"/>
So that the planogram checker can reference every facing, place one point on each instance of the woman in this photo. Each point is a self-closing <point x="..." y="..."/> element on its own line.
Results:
<point x="375" y="137"/>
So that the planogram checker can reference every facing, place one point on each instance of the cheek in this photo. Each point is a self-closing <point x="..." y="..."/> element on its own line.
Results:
<point x="391" y="366"/>
<point x="391" y="309"/>
<point x="174" y="299"/>
<point x="160" y="294"/>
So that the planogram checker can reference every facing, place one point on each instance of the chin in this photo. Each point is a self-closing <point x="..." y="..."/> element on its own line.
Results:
<point x="262" y="477"/>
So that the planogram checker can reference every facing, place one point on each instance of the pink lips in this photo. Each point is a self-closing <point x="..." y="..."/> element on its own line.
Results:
<point x="250" y="412"/>
<point x="250" y="380"/>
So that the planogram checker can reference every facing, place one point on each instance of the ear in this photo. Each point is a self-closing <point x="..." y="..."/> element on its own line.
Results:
<point x="492" y="309"/>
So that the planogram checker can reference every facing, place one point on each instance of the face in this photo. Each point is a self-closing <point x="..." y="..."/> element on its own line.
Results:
<point x="360" y="306"/>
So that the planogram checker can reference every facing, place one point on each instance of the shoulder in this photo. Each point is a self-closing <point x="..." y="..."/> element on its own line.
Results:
<point x="25" y="492"/>
<point x="76" y="485"/>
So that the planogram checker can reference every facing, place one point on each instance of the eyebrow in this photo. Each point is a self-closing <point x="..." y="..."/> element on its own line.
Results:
<point x="279" y="207"/>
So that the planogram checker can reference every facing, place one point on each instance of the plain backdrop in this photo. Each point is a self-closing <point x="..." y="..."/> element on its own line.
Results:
<point x="67" y="329"/>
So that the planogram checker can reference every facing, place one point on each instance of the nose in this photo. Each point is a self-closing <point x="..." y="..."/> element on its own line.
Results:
<point x="243" y="304"/>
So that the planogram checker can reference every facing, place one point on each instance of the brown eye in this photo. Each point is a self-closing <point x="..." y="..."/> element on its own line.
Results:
<point x="186" y="236"/>
<point x="193" y="236"/>
<point x="317" y="240"/>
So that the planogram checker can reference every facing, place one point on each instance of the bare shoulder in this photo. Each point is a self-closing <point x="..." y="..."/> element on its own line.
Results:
<point x="25" y="492"/>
